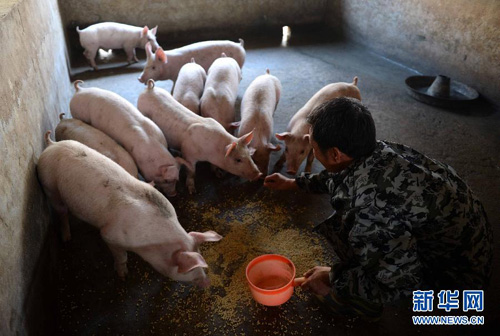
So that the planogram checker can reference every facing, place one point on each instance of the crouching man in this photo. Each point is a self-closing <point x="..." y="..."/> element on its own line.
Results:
<point x="401" y="221"/>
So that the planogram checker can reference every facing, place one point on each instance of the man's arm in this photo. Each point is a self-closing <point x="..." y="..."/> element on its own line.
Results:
<point x="387" y="265"/>
<point x="315" y="183"/>
<point x="277" y="181"/>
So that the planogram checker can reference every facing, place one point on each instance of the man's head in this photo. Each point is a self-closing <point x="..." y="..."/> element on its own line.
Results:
<point x="341" y="130"/>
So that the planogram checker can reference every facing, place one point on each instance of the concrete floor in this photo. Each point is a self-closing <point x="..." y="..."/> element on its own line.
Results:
<point x="93" y="301"/>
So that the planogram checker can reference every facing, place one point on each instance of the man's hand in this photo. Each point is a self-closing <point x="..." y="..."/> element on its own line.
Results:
<point x="279" y="182"/>
<point x="317" y="280"/>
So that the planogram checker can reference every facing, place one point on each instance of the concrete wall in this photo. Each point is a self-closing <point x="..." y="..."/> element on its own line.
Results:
<point x="183" y="17"/>
<point x="35" y="88"/>
<point x="458" y="38"/>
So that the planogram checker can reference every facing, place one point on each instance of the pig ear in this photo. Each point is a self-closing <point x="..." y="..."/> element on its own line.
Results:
<point x="144" y="31"/>
<point x="247" y="138"/>
<point x="251" y="150"/>
<point x="169" y="172"/>
<point x="186" y="261"/>
<point x="273" y="148"/>
<point x="282" y="136"/>
<point x="160" y="55"/>
<point x="306" y="137"/>
<point x="153" y="31"/>
<point x="202" y="237"/>
<point x="149" y="52"/>
<point x="229" y="148"/>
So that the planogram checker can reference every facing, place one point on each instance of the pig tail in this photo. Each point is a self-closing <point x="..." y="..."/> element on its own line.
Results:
<point x="151" y="83"/>
<point x="48" y="140"/>
<point x="75" y="84"/>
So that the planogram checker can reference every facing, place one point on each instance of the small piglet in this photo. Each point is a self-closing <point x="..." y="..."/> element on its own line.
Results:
<point x="221" y="91"/>
<point x="189" y="85"/>
<point x="198" y="138"/>
<point x="130" y="214"/>
<point x="141" y="138"/>
<point x="297" y="135"/>
<point x="74" y="129"/>
<point x="257" y="110"/>
<point x="112" y="35"/>
<point x="163" y="65"/>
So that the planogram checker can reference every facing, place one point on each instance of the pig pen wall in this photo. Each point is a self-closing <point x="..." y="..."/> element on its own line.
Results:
<point x="457" y="38"/>
<point x="191" y="19"/>
<point x="34" y="89"/>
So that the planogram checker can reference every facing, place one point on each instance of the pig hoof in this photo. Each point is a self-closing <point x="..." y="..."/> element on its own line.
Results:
<point x="122" y="273"/>
<point x="192" y="190"/>
<point x="66" y="237"/>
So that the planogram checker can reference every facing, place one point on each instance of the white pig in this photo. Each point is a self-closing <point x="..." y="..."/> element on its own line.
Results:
<point x="163" y="65"/>
<point x="74" y="129"/>
<point x="130" y="214"/>
<point x="189" y="85"/>
<point x="221" y="91"/>
<point x="141" y="138"/>
<point x="198" y="138"/>
<point x="112" y="35"/>
<point x="296" y="138"/>
<point x="257" y="110"/>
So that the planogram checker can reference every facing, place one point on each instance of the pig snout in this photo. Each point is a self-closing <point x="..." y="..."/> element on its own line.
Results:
<point x="257" y="177"/>
<point x="292" y="166"/>
<point x="154" y="45"/>
<point x="141" y="79"/>
<point x="168" y="189"/>
<point x="203" y="283"/>
<point x="262" y="166"/>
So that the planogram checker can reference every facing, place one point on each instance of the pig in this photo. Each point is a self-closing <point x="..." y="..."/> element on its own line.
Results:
<point x="257" y="110"/>
<point x="74" y="129"/>
<point x="189" y="86"/>
<point x="130" y="214"/>
<point x="164" y="65"/>
<point x="296" y="137"/>
<point x="141" y="138"/>
<point x="221" y="91"/>
<point x="198" y="138"/>
<point x="112" y="35"/>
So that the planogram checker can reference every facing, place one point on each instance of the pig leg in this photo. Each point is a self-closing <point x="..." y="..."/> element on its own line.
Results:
<point x="120" y="256"/>
<point x="309" y="162"/>
<point x="190" y="181"/>
<point x="131" y="57"/>
<point x="90" y="55"/>
<point x="64" y="219"/>
<point x="62" y="213"/>
<point x="219" y="173"/>
<point x="190" y="173"/>
<point x="280" y="163"/>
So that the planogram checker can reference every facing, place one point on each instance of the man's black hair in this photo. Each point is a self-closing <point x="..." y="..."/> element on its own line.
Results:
<point x="344" y="123"/>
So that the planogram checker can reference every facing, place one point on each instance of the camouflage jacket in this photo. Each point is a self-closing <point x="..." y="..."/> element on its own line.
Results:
<point x="402" y="222"/>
